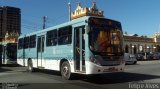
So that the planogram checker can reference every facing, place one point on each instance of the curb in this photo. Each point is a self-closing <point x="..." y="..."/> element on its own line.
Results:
<point x="149" y="62"/>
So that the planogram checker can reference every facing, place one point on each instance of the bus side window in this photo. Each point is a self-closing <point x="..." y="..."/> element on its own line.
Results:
<point x="51" y="38"/>
<point x="32" y="43"/>
<point x="26" y="42"/>
<point x="20" y="43"/>
<point x="65" y="35"/>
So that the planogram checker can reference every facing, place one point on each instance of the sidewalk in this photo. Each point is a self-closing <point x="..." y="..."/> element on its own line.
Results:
<point x="149" y="62"/>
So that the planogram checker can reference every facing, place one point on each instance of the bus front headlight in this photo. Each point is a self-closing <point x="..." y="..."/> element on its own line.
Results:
<point x="94" y="60"/>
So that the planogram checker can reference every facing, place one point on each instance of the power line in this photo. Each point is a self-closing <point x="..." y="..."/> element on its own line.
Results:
<point x="47" y="22"/>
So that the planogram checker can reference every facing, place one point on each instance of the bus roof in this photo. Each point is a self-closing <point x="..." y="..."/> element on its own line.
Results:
<point x="58" y="26"/>
<point x="82" y="19"/>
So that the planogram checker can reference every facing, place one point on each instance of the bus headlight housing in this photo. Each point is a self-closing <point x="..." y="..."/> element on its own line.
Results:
<point x="94" y="60"/>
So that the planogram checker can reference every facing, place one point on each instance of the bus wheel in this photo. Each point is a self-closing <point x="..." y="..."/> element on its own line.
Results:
<point x="65" y="70"/>
<point x="30" y="66"/>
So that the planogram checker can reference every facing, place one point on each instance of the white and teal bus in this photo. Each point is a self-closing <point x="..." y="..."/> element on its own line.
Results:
<point x="87" y="45"/>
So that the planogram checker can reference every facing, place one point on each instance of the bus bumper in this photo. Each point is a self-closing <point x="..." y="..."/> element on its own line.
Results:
<point x="96" y="69"/>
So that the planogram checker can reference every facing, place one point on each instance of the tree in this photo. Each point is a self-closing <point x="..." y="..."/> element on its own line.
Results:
<point x="135" y="35"/>
<point x="125" y="33"/>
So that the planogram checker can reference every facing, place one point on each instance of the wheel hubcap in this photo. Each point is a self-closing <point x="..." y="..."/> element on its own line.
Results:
<point x="65" y="71"/>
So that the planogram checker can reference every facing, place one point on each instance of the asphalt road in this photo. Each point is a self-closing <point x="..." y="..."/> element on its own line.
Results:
<point x="143" y="75"/>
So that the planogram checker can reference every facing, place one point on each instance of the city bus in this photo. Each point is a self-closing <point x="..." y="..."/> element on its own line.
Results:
<point x="87" y="45"/>
<point x="8" y="53"/>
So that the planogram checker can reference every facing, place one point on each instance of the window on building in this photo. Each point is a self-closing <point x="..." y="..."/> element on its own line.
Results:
<point x="51" y="38"/>
<point x="65" y="35"/>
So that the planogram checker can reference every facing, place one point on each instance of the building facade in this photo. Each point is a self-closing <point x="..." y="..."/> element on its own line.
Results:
<point x="10" y="22"/>
<point x="135" y="44"/>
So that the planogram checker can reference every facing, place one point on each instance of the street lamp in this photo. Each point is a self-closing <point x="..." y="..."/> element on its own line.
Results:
<point x="69" y="8"/>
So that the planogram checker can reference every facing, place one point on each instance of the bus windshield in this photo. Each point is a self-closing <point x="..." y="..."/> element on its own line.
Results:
<point x="105" y="39"/>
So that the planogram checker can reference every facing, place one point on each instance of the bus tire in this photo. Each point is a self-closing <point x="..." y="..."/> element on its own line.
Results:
<point x="65" y="70"/>
<point x="30" y="66"/>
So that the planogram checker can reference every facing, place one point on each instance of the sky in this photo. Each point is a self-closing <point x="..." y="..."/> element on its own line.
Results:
<point x="140" y="17"/>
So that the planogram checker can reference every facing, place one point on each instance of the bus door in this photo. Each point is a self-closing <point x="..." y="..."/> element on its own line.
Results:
<point x="40" y="50"/>
<point x="79" y="49"/>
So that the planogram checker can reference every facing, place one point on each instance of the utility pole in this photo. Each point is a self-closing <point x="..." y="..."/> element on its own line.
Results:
<point x="44" y="21"/>
<point x="69" y="8"/>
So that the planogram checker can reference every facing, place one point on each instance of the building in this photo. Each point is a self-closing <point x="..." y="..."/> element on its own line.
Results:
<point x="10" y="23"/>
<point x="137" y="44"/>
<point x="80" y="12"/>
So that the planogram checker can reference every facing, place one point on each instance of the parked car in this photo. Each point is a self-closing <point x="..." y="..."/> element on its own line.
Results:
<point x="144" y="56"/>
<point x="148" y="56"/>
<point x="130" y="58"/>
<point x="156" y="55"/>
<point x="139" y="56"/>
